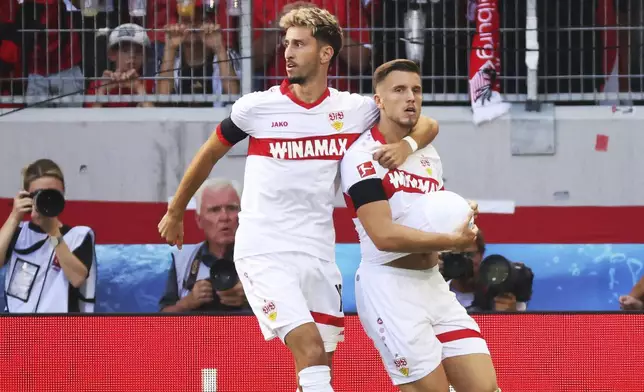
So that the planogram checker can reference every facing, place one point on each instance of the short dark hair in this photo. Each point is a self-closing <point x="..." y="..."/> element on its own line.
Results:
<point x="385" y="69"/>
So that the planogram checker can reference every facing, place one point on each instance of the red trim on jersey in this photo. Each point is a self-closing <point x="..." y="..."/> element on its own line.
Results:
<point x="350" y="206"/>
<point x="328" y="147"/>
<point x="402" y="181"/>
<point x="327" y="319"/>
<point x="377" y="135"/>
<point x="458" y="335"/>
<point x="221" y="137"/>
<point x="306" y="105"/>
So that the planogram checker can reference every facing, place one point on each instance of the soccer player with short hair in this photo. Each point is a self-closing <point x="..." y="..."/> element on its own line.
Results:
<point x="423" y="334"/>
<point x="285" y="244"/>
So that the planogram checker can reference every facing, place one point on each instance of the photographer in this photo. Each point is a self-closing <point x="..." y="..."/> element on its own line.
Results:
<point x="463" y="272"/>
<point x="202" y="277"/>
<point x="51" y="266"/>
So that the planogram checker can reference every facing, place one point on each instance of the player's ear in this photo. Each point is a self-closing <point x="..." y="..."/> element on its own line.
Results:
<point x="378" y="100"/>
<point x="326" y="54"/>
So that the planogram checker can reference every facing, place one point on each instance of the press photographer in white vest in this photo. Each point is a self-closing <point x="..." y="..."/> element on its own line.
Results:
<point x="202" y="277"/>
<point x="51" y="267"/>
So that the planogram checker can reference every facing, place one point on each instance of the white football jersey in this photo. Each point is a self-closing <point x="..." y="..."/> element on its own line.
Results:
<point x="421" y="173"/>
<point x="292" y="168"/>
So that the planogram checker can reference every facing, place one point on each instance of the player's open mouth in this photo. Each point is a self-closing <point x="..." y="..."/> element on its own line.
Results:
<point x="410" y="110"/>
<point x="290" y="66"/>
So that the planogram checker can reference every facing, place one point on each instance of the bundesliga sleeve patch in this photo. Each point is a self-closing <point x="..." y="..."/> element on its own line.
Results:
<point x="366" y="169"/>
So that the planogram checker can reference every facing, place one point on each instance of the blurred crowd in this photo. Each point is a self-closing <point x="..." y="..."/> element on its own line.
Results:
<point x="192" y="48"/>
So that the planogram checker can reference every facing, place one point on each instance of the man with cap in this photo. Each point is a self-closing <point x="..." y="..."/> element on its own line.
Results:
<point x="125" y="51"/>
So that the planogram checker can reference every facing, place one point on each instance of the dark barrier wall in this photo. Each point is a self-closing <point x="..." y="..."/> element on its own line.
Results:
<point x="532" y="352"/>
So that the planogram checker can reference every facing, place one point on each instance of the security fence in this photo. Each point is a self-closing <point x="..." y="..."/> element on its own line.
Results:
<point x="105" y="53"/>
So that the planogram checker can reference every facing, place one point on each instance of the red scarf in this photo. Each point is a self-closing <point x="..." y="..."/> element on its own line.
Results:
<point x="485" y="64"/>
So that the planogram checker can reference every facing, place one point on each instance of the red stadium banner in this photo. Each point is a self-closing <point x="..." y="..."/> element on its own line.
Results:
<point x="531" y="352"/>
<point x="136" y="223"/>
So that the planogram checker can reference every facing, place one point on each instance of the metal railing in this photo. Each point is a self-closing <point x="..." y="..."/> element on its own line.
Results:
<point x="575" y="50"/>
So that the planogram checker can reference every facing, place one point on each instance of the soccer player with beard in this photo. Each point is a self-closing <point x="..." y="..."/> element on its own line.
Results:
<point x="424" y="336"/>
<point x="285" y="245"/>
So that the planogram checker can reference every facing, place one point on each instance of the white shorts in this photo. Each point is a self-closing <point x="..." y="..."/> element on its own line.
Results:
<point x="414" y="320"/>
<point x="288" y="289"/>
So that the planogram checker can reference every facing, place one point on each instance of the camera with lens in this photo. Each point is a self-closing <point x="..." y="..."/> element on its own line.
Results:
<point x="497" y="275"/>
<point x="223" y="275"/>
<point x="48" y="202"/>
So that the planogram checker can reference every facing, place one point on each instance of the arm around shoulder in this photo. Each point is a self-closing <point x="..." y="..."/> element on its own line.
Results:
<point x="425" y="131"/>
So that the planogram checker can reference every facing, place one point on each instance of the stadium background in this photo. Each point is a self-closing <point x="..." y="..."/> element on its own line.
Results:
<point x="572" y="172"/>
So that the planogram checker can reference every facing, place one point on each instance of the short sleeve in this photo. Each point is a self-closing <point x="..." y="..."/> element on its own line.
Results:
<point x="85" y="251"/>
<point x="241" y="113"/>
<point x="358" y="165"/>
<point x="239" y="125"/>
<point x="368" y="112"/>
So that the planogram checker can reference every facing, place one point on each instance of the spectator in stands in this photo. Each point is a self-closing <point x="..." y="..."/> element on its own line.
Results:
<point x="126" y="44"/>
<point x="162" y="13"/>
<point x="634" y="300"/>
<point x="189" y="286"/>
<point x="51" y="266"/>
<point x="53" y="49"/>
<point x="465" y="288"/>
<point x="196" y="59"/>
<point x="353" y="61"/>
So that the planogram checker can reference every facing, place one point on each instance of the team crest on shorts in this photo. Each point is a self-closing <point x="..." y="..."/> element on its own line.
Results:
<point x="270" y="310"/>
<point x="335" y="119"/>
<point x="401" y="365"/>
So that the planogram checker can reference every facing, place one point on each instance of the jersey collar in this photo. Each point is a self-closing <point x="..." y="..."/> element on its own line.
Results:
<point x="377" y="135"/>
<point x="306" y="105"/>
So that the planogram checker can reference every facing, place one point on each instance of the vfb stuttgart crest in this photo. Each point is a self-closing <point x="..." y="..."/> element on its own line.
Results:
<point x="336" y="120"/>
<point x="401" y="365"/>
<point x="270" y="310"/>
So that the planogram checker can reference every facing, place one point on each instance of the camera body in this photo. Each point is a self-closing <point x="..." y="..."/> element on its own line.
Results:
<point x="48" y="202"/>
<point x="497" y="275"/>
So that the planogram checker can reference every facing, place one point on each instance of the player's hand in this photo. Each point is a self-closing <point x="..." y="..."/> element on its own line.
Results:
<point x="474" y="206"/>
<point x="171" y="229"/>
<point x="505" y="303"/>
<point x="22" y="204"/>
<point x="391" y="156"/>
<point x="201" y="294"/>
<point x="233" y="297"/>
<point x="465" y="236"/>
<point x="626" y="302"/>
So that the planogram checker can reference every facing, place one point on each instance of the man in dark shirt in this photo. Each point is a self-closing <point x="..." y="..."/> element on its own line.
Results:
<point x="189" y="287"/>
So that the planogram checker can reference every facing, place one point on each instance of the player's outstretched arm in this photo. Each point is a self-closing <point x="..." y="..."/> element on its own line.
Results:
<point x="393" y="155"/>
<point x="171" y="226"/>
<point x="198" y="170"/>
<point x="372" y="208"/>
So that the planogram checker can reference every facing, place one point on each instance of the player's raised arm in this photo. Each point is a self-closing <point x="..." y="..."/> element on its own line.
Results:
<point x="393" y="155"/>
<point x="218" y="144"/>
<point x="362" y="183"/>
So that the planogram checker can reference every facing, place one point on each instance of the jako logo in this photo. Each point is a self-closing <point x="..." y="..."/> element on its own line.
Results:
<point x="280" y="124"/>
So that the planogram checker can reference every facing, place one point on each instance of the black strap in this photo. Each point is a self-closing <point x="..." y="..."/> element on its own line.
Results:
<point x="32" y="248"/>
<point x="191" y="279"/>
